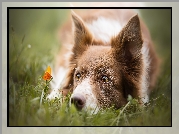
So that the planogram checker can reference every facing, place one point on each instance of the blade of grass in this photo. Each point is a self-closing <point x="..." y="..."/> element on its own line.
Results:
<point x="118" y="117"/>
<point x="19" y="53"/>
<point x="41" y="98"/>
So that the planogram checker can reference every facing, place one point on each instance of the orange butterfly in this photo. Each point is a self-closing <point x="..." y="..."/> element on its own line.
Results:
<point x="47" y="75"/>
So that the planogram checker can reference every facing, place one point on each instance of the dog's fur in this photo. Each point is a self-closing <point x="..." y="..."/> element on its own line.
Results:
<point x="108" y="55"/>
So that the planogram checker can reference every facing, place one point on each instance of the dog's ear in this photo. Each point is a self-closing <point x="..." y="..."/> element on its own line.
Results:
<point x="126" y="47"/>
<point x="128" y="43"/>
<point x="82" y="36"/>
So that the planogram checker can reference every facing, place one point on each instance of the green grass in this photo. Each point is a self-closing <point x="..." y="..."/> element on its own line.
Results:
<point x="26" y="67"/>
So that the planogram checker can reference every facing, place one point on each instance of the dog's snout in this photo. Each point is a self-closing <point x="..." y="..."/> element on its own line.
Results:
<point x="79" y="101"/>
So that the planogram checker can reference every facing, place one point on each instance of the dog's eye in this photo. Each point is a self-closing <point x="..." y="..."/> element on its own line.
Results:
<point x="104" y="79"/>
<point x="78" y="75"/>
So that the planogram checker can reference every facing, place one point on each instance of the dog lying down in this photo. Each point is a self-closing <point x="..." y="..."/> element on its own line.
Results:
<point x="106" y="55"/>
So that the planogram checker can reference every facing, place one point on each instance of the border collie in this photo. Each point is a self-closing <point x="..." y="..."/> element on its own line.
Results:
<point x="106" y="55"/>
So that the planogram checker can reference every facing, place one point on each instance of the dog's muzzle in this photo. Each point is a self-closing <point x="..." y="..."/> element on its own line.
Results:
<point x="83" y="97"/>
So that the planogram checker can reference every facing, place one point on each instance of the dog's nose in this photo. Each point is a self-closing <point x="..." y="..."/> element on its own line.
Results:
<point x="79" y="101"/>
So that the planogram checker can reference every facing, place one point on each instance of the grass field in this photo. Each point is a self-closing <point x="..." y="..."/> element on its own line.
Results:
<point x="32" y="46"/>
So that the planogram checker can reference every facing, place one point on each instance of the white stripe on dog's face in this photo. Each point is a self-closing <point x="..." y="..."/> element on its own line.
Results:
<point x="85" y="89"/>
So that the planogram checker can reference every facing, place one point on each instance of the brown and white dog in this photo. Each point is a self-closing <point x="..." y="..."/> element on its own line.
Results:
<point x="106" y="55"/>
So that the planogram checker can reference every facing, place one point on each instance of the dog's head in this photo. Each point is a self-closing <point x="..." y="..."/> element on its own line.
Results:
<point x="103" y="75"/>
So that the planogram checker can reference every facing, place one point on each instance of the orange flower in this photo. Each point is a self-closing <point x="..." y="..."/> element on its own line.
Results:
<point x="47" y="75"/>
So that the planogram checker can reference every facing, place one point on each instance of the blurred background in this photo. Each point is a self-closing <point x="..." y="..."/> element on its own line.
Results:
<point x="40" y="27"/>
